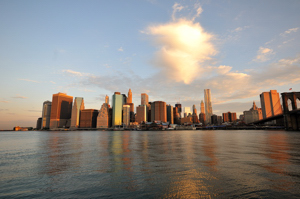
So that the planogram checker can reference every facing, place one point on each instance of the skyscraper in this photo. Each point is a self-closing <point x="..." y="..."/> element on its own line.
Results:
<point x="144" y="99"/>
<point x="88" y="118"/>
<point x="159" y="111"/>
<point x="103" y="117"/>
<point x="195" y="116"/>
<point x="208" y="107"/>
<point x="77" y="107"/>
<point x="117" y="102"/>
<point x="170" y="115"/>
<point x="270" y="104"/>
<point x="126" y="115"/>
<point x="129" y="99"/>
<point x="61" y="110"/>
<point x="46" y="112"/>
<point x="202" y="107"/>
<point x="141" y="114"/>
<point x="179" y="110"/>
<point x="107" y="99"/>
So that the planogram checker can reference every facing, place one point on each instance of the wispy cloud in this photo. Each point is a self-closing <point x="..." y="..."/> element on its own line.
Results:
<point x="239" y="29"/>
<point x="121" y="49"/>
<point x="52" y="82"/>
<point x="29" y="80"/>
<point x="20" y="97"/>
<point x="289" y="31"/>
<point x="4" y="101"/>
<point x="74" y="73"/>
<point x="263" y="54"/>
<point x="176" y="8"/>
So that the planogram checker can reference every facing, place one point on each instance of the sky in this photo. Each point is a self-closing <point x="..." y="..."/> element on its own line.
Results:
<point x="171" y="50"/>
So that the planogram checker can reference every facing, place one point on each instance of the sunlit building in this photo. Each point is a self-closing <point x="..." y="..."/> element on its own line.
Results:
<point x="117" y="103"/>
<point x="170" y="115"/>
<point x="46" y="113"/>
<point x="103" y="117"/>
<point x="77" y="107"/>
<point x="195" y="116"/>
<point x="229" y="117"/>
<point x="107" y="99"/>
<point x="126" y="115"/>
<point x="202" y="118"/>
<point x="141" y="114"/>
<point x="179" y="109"/>
<point x="158" y="111"/>
<point x="202" y="109"/>
<point x="88" y="118"/>
<point x="144" y="99"/>
<point x="176" y="116"/>
<point x="270" y="104"/>
<point x="61" y="110"/>
<point x="208" y="106"/>
<point x="129" y="99"/>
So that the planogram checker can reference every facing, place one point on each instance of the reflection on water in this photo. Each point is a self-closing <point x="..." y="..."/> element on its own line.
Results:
<point x="173" y="164"/>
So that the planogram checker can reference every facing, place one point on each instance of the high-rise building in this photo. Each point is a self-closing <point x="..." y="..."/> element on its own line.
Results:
<point x="159" y="111"/>
<point x="117" y="102"/>
<point x="88" y="118"/>
<point x="270" y="104"/>
<point x="214" y="119"/>
<point x="39" y="123"/>
<point x="126" y="115"/>
<point x="229" y="117"/>
<point x="254" y="114"/>
<point x="202" y="107"/>
<point x="202" y="118"/>
<point x="179" y="109"/>
<point x="77" y="107"/>
<point x="107" y="99"/>
<point x="46" y="113"/>
<point x="129" y="99"/>
<point x="144" y="99"/>
<point x="208" y="107"/>
<point x="141" y="114"/>
<point x="124" y="99"/>
<point x="170" y="115"/>
<point x="61" y="110"/>
<point x="103" y="117"/>
<point x="195" y="116"/>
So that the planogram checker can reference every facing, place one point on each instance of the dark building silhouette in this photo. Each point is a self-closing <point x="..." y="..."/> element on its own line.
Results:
<point x="88" y="118"/>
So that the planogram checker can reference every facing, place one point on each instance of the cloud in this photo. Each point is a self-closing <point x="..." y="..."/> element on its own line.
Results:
<point x="19" y="97"/>
<point x="29" y="80"/>
<point x="74" y="73"/>
<point x="239" y="29"/>
<point x="176" y="8"/>
<point x="52" y="82"/>
<point x="289" y="31"/>
<point x="4" y="101"/>
<point x="263" y="54"/>
<point x="120" y="49"/>
<point x="184" y="49"/>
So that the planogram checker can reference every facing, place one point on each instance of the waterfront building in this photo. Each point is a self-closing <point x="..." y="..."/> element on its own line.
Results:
<point x="202" y="109"/>
<point x="202" y="118"/>
<point x="214" y="119"/>
<point x="103" y="117"/>
<point x="229" y="117"/>
<point x="208" y="106"/>
<point x="46" y="113"/>
<point x="117" y="103"/>
<point x="88" y="118"/>
<point x="270" y="104"/>
<point x="126" y="115"/>
<point x="179" y="109"/>
<point x="158" y="111"/>
<point x="176" y="116"/>
<point x="254" y="114"/>
<point x="39" y="123"/>
<point x="77" y="107"/>
<point x="61" y="110"/>
<point x="170" y="115"/>
<point x="141" y="114"/>
<point x="220" y="120"/>
<point x="144" y="99"/>
<point x="195" y="116"/>
<point x="186" y="120"/>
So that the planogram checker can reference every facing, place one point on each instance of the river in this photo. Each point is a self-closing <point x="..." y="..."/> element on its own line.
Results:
<point x="150" y="164"/>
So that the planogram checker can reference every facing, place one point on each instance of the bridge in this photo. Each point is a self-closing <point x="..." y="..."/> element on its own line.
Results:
<point x="291" y="112"/>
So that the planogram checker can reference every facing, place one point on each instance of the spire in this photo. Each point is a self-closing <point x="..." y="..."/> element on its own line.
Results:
<point x="129" y="99"/>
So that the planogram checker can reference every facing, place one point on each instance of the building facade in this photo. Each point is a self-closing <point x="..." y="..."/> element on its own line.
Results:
<point x="229" y="117"/>
<point x="144" y="99"/>
<point x="126" y="115"/>
<point x="88" y="118"/>
<point x="61" y="110"/>
<point x="270" y="104"/>
<point x="170" y="115"/>
<point x="103" y="117"/>
<point x="208" y="106"/>
<point x="46" y="113"/>
<point x="159" y="111"/>
<point x="77" y="107"/>
<point x="117" y="102"/>
<point x="141" y="114"/>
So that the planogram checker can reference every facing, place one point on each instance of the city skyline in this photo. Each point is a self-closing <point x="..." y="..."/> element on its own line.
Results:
<point x="169" y="50"/>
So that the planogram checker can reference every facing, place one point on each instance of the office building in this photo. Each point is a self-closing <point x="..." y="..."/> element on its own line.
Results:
<point x="141" y="114"/>
<point x="270" y="104"/>
<point x="103" y="117"/>
<point x="202" y="118"/>
<point x="159" y="111"/>
<point x="202" y="109"/>
<point x="61" y="110"/>
<point x="179" y="109"/>
<point x="129" y="99"/>
<point x="144" y="99"/>
<point x="39" y="124"/>
<point x="229" y="117"/>
<point x="254" y="114"/>
<point x="46" y="113"/>
<point x="88" y="118"/>
<point x="77" y="107"/>
<point x="117" y="103"/>
<point x="126" y="115"/>
<point x="208" y="106"/>
<point x="170" y="115"/>
<point x="194" y="115"/>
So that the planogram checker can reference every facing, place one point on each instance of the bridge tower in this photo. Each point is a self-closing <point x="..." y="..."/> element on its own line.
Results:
<point x="291" y="117"/>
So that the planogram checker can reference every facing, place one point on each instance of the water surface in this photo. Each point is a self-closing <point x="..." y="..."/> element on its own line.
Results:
<point x="150" y="164"/>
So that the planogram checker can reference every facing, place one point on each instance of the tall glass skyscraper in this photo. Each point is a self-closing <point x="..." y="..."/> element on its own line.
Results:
<point x="46" y="115"/>
<point x="77" y="107"/>
<point x="208" y="107"/>
<point x="117" y="102"/>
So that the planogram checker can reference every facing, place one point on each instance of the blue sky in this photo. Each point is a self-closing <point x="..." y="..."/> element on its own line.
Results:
<point x="172" y="50"/>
